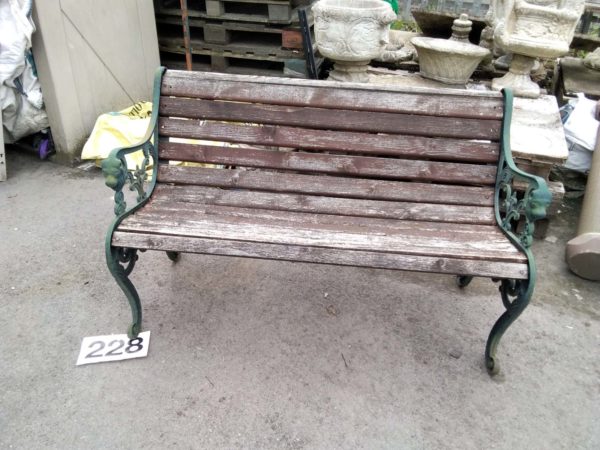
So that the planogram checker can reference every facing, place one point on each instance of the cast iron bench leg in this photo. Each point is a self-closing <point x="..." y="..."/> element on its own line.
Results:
<point x="520" y="291"/>
<point x="173" y="256"/>
<point x="120" y="262"/>
<point x="463" y="281"/>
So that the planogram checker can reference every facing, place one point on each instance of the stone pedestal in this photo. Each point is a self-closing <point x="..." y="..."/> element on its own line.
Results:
<point x="518" y="78"/>
<point x="537" y="141"/>
<point x="537" y="134"/>
<point x="353" y="72"/>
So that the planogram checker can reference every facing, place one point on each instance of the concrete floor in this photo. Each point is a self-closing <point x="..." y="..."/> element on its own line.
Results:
<point x="248" y="353"/>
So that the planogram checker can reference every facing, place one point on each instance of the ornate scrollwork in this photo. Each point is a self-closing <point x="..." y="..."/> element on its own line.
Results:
<point x="116" y="175"/>
<point x="515" y="297"/>
<point x="512" y="291"/>
<point x="529" y="207"/>
<point x="126" y="258"/>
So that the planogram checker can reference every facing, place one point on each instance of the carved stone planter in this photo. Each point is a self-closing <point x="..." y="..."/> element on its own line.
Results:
<point x="448" y="61"/>
<point x="532" y="29"/>
<point x="352" y="33"/>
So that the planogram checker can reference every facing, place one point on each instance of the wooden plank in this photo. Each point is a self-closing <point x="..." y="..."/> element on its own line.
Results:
<point x="328" y="141"/>
<point x="331" y="186"/>
<point x="255" y="46"/>
<point x="360" y="166"/>
<point x="333" y="119"/>
<point x="187" y="222"/>
<point x="325" y="205"/>
<point x="245" y="64"/>
<point x="325" y="94"/>
<point x="256" y="14"/>
<point x="417" y="229"/>
<point x="321" y="255"/>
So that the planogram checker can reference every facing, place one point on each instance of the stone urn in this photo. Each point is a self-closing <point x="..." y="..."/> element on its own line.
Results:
<point x="352" y="33"/>
<point x="448" y="61"/>
<point x="533" y="29"/>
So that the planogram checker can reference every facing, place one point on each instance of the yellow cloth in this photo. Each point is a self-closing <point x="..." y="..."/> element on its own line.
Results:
<point x="119" y="129"/>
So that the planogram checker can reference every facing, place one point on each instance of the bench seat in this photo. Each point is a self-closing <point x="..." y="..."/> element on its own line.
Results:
<point x="333" y="230"/>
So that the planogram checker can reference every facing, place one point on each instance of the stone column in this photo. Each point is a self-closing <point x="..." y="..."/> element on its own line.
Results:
<point x="583" y="252"/>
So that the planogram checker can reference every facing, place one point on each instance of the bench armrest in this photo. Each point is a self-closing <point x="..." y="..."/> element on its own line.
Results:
<point x="509" y="208"/>
<point x="114" y="167"/>
<point x="116" y="174"/>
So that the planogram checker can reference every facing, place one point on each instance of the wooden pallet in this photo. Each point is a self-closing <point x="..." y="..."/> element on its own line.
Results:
<point x="226" y="32"/>
<point x="259" y="11"/>
<point x="253" y="49"/>
<point x="240" y="64"/>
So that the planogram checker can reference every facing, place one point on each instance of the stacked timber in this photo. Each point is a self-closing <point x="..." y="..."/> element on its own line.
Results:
<point x="261" y="37"/>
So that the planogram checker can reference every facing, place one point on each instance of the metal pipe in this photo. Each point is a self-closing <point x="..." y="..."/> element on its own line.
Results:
<point x="186" y="34"/>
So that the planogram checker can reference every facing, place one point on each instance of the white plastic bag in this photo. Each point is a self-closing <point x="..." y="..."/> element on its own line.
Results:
<point x="581" y="127"/>
<point x="21" y="100"/>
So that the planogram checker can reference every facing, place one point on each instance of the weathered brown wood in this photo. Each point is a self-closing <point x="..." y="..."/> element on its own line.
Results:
<point x="331" y="119"/>
<point x="321" y="255"/>
<point x="459" y="232"/>
<point x="410" y="147"/>
<point x="408" y="241"/>
<point x="325" y="205"/>
<point x="328" y="186"/>
<point x="362" y="166"/>
<point x="244" y="88"/>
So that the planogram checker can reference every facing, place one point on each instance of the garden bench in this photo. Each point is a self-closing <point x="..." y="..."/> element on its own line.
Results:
<point x="324" y="172"/>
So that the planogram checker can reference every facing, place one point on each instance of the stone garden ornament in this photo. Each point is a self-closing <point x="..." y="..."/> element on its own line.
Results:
<point x="533" y="29"/>
<point x="352" y="33"/>
<point x="450" y="61"/>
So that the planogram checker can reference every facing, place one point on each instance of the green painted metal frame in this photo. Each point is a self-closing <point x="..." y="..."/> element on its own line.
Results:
<point x="510" y="210"/>
<point x="120" y="261"/>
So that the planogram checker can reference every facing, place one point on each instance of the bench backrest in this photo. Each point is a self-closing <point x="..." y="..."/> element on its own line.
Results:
<point x="371" y="142"/>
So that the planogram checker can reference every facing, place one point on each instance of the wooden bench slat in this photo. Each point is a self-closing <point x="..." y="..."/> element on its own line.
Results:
<point x="331" y="95"/>
<point x="360" y="224"/>
<point x="326" y="205"/>
<point x="359" y="166"/>
<point x="412" y="147"/>
<point x="332" y="119"/>
<point x="331" y="186"/>
<point x="192" y="223"/>
<point x="321" y="255"/>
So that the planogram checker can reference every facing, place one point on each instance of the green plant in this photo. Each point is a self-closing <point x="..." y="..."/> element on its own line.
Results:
<point x="403" y="25"/>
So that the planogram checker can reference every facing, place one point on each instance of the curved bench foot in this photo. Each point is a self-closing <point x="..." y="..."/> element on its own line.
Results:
<point x="515" y="297"/>
<point x="120" y="262"/>
<point x="174" y="256"/>
<point x="463" y="281"/>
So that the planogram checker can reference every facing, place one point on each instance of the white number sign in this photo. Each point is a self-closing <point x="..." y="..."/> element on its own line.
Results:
<point x="113" y="347"/>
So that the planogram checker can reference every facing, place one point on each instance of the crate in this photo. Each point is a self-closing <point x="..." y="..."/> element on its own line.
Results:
<point x="242" y="36"/>
<point x="235" y="33"/>
<point x="259" y="11"/>
<point x="236" y="63"/>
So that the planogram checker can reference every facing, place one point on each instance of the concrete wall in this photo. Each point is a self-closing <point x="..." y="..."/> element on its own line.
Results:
<point x="92" y="57"/>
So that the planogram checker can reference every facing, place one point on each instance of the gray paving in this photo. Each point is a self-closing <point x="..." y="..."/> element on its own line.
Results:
<point x="261" y="354"/>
